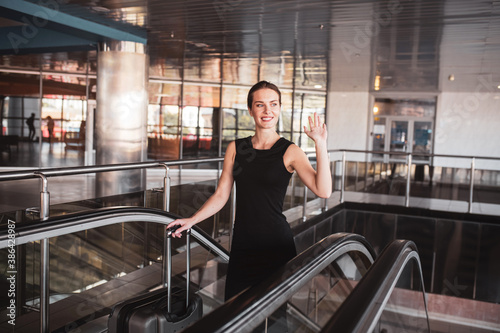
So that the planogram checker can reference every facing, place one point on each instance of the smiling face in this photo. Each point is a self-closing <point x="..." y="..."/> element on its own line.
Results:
<point x="265" y="108"/>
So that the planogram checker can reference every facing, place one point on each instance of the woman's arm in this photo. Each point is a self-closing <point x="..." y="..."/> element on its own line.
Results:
<point x="216" y="200"/>
<point x="320" y="180"/>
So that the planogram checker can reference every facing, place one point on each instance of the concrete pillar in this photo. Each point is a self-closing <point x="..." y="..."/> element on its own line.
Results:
<point x="121" y="115"/>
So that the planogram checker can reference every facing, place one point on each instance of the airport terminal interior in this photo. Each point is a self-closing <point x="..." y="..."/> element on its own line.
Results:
<point x="115" y="116"/>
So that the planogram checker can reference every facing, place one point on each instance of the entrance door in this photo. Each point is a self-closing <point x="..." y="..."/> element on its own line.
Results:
<point x="402" y="135"/>
<point x="403" y="125"/>
<point x="399" y="137"/>
<point x="422" y="139"/>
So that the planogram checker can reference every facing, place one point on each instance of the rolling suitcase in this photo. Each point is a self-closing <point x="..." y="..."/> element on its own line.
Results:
<point x="168" y="309"/>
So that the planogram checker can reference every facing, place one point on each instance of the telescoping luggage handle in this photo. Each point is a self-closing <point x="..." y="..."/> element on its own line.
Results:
<point x="167" y="271"/>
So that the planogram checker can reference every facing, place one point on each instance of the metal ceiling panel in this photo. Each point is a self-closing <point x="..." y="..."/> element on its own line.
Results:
<point x="411" y="45"/>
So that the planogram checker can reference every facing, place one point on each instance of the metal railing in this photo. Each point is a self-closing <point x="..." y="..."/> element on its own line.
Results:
<point x="64" y="225"/>
<point x="408" y="162"/>
<point x="245" y="311"/>
<point x="44" y="174"/>
<point x="361" y="311"/>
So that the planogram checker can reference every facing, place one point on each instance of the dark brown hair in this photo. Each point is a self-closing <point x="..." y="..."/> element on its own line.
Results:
<point x="261" y="85"/>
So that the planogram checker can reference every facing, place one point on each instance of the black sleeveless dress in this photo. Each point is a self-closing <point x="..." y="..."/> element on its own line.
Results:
<point x="262" y="238"/>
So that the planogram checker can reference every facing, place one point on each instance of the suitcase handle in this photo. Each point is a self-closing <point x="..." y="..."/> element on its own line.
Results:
<point x="167" y="264"/>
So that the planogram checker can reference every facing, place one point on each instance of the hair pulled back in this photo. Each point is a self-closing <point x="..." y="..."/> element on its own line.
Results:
<point x="261" y="85"/>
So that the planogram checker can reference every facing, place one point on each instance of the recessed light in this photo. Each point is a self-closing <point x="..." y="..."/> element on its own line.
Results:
<point x="451" y="77"/>
<point x="100" y="9"/>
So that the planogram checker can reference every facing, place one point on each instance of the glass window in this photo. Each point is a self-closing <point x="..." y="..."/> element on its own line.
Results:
<point x="206" y="96"/>
<point x="154" y="116"/>
<point x="169" y="68"/>
<point x="422" y="138"/>
<point x="305" y="106"/>
<point x="170" y="116"/>
<point x="192" y="69"/>
<point x="285" y="123"/>
<point x="163" y="120"/>
<point x="234" y="97"/>
<point x="278" y="70"/>
<point x="210" y="67"/>
<point x="240" y="70"/>
<point x="379" y="134"/>
<point x="311" y="73"/>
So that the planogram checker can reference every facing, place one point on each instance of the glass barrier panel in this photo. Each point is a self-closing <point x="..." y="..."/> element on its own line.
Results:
<point x="405" y="310"/>
<point x="92" y="270"/>
<point x="312" y="306"/>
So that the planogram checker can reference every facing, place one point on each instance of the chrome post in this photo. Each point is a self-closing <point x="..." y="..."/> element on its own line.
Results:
<point x="233" y="205"/>
<point x="471" y="188"/>
<point x="292" y="194"/>
<point x="216" y="216"/>
<point x="356" y="181"/>
<point x="44" y="259"/>
<point x="164" y="263"/>
<point x="374" y="171"/>
<point x="304" y="207"/>
<point x="188" y="265"/>
<point x="366" y="175"/>
<point x="342" y="178"/>
<point x="325" y="202"/>
<point x="166" y="189"/>
<point x="408" y="179"/>
<point x="167" y="265"/>
<point x="219" y="172"/>
<point x="233" y="215"/>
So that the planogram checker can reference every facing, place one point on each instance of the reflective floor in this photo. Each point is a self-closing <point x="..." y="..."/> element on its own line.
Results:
<point x="22" y="194"/>
<point x="447" y="192"/>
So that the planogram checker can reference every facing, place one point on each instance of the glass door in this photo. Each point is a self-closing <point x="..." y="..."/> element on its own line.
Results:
<point x="399" y="137"/>
<point x="404" y="126"/>
<point x="422" y="139"/>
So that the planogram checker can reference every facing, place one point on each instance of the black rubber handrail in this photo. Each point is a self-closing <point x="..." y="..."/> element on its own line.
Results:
<point x="362" y="308"/>
<point x="66" y="224"/>
<point x="249" y="308"/>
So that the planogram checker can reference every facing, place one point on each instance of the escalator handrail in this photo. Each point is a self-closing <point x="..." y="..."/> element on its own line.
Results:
<point x="67" y="224"/>
<point x="364" y="306"/>
<point x="249" y="308"/>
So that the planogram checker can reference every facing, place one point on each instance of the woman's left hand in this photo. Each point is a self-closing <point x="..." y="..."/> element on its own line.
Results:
<point x="317" y="130"/>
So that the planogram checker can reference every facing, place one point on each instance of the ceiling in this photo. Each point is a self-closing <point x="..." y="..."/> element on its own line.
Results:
<point x="393" y="45"/>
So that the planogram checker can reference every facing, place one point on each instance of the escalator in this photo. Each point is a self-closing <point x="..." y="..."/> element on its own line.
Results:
<point x="333" y="277"/>
<point x="386" y="297"/>
<point x="77" y="308"/>
<point x="303" y="293"/>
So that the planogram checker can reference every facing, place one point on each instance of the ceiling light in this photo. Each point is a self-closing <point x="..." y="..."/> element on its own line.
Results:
<point x="318" y="86"/>
<point x="451" y="77"/>
<point x="375" y="109"/>
<point x="377" y="83"/>
<point x="97" y="8"/>
<point x="100" y="9"/>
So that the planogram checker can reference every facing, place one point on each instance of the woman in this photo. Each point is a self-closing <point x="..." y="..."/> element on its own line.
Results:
<point x="261" y="166"/>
